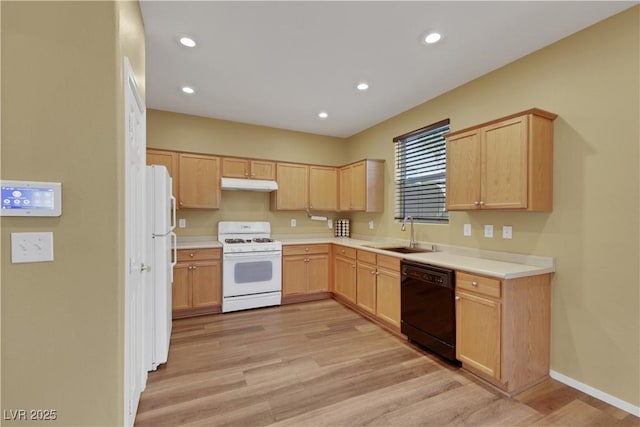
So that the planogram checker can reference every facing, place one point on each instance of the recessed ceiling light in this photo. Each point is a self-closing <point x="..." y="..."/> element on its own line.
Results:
<point x="188" y="90"/>
<point x="323" y="114"/>
<point x="362" y="86"/>
<point x="431" y="38"/>
<point x="187" y="41"/>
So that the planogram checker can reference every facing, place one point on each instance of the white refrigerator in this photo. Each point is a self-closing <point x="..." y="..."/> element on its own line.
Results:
<point x="162" y="256"/>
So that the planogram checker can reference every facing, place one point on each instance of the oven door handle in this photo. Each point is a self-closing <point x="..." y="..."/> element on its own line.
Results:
<point x="241" y="255"/>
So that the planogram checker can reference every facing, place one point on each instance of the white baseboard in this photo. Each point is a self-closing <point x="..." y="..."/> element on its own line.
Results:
<point x="598" y="394"/>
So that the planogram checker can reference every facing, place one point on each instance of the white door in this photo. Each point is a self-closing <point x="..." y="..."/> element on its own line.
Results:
<point x="136" y="293"/>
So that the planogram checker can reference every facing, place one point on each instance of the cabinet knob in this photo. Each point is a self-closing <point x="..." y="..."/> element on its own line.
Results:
<point x="342" y="251"/>
<point x="190" y="267"/>
<point x="306" y="249"/>
<point x="195" y="267"/>
<point x="180" y="203"/>
<point x="475" y="284"/>
<point x="191" y="254"/>
<point x="373" y="272"/>
<point x="481" y="203"/>
<point x="477" y="203"/>
<point x="353" y="266"/>
<point x="457" y="298"/>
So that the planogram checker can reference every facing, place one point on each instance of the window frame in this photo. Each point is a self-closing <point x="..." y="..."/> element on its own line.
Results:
<point x="434" y="165"/>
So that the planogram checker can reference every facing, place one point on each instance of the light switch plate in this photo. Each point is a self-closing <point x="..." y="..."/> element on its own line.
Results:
<point x="488" y="231"/>
<point x="467" y="230"/>
<point x="330" y="223"/>
<point x="294" y="223"/>
<point x="31" y="247"/>
<point x="507" y="232"/>
<point x="182" y="223"/>
<point x="370" y="225"/>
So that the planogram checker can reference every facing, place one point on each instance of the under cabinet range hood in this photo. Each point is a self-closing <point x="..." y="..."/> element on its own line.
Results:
<point x="242" y="184"/>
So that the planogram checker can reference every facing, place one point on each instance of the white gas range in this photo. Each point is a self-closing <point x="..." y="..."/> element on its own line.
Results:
<point x="251" y="265"/>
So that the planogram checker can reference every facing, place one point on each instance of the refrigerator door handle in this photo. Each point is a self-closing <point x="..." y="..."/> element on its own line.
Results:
<point x="174" y="252"/>
<point x="173" y="213"/>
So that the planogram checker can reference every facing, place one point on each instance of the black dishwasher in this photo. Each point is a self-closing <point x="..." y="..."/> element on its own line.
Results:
<point x="427" y="307"/>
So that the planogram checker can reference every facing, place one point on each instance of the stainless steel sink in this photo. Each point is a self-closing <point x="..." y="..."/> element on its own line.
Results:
<point x="407" y="250"/>
<point x="401" y="249"/>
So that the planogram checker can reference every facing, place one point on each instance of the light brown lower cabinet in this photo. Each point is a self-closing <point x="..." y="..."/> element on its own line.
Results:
<point x="305" y="270"/>
<point x="344" y="272"/>
<point x="378" y="286"/>
<point x="197" y="278"/>
<point x="503" y="329"/>
<point x="388" y="290"/>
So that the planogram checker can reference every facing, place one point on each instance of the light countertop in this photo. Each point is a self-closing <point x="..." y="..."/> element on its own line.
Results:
<point x="502" y="265"/>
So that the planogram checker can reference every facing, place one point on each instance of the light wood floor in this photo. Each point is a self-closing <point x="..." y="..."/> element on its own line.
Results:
<point x="321" y="364"/>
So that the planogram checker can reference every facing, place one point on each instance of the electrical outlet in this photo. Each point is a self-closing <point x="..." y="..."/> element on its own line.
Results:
<point x="370" y="225"/>
<point x="466" y="230"/>
<point x="330" y="223"/>
<point x="294" y="223"/>
<point x="507" y="232"/>
<point x="182" y="223"/>
<point x="488" y="231"/>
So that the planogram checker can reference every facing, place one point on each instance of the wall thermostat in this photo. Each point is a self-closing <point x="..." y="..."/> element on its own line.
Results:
<point x="31" y="198"/>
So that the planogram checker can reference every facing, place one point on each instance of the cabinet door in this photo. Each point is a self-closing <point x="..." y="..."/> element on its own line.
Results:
<point x="181" y="287"/>
<point x="323" y="188"/>
<point x="478" y="323"/>
<point x="294" y="274"/>
<point x="318" y="273"/>
<point x="168" y="159"/>
<point x="235" y="168"/>
<point x="388" y="296"/>
<point x="205" y="283"/>
<point x="366" y="287"/>
<point x="359" y="187"/>
<point x="199" y="181"/>
<point x="344" y="185"/>
<point x="463" y="172"/>
<point x="262" y="169"/>
<point x="292" y="187"/>
<point x="504" y="166"/>
<point x="345" y="278"/>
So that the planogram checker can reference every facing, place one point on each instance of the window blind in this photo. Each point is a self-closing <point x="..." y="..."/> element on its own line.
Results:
<point x="420" y="158"/>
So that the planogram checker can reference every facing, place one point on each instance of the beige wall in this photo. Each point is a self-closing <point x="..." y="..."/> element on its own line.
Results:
<point x="203" y="135"/>
<point x="591" y="81"/>
<point x="62" y="321"/>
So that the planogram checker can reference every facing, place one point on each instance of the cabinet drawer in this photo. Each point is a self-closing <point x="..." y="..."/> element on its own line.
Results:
<point x="197" y="254"/>
<point x="366" y="256"/>
<point x="346" y="252"/>
<point x="389" y="262"/>
<point x="305" y="249"/>
<point x="478" y="284"/>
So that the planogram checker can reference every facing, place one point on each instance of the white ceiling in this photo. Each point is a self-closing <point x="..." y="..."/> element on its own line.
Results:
<point x="279" y="63"/>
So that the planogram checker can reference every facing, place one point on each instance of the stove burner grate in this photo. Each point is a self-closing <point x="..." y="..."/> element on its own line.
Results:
<point x="262" y="240"/>
<point x="235" y="241"/>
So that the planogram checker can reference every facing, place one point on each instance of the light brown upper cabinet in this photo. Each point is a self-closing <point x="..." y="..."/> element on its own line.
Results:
<point x="293" y="187"/>
<point x="233" y="167"/>
<point x="503" y="164"/>
<point x="323" y="188"/>
<point x="361" y="186"/>
<point x="168" y="159"/>
<point x="199" y="181"/>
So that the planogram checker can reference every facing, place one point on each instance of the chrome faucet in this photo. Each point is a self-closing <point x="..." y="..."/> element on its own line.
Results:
<point x="412" y="242"/>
